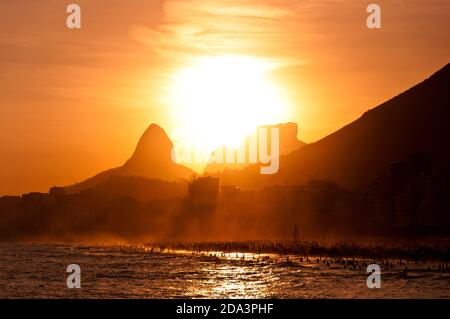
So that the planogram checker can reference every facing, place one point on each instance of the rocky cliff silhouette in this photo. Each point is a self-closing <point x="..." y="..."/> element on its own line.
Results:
<point x="151" y="159"/>
<point x="288" y="143"/>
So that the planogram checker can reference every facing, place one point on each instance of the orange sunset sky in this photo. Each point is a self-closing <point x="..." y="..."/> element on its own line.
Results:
<point x="75" y="102"/>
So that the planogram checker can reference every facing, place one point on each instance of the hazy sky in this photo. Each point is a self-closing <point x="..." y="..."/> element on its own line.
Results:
<point x="75" y="102"/>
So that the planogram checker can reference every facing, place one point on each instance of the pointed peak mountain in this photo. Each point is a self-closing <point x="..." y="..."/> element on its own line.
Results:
<point x="151" y="159"/>
<point x="154" y="130"/>
<point x="153" y="141"/>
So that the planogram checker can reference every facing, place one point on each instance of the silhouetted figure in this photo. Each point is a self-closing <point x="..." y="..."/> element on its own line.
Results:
<point x="405" y="271"/>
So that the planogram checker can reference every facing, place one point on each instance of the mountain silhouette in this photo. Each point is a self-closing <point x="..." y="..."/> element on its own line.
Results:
<point x="414" y="122"/>
<point x="151" y="159"/>
<point x="288" y="143"/>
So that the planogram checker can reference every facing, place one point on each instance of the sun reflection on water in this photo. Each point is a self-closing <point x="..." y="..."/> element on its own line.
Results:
<point x="233" y="280"/>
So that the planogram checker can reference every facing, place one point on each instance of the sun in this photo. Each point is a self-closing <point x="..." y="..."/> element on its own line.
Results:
<point x="219" y="100"/>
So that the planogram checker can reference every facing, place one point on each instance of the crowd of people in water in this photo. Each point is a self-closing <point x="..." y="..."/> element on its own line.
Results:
<point x="348" y="256"/>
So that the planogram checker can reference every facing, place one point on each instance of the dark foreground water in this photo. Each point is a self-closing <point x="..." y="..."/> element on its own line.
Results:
<point x="39" y="271"/>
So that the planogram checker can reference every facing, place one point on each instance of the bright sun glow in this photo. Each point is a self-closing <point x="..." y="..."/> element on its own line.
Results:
<point x="220" y="100"/>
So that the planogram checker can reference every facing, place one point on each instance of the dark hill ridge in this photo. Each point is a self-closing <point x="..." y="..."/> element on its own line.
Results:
<point x="416" y="121"/>
<point x="152" y="159"/>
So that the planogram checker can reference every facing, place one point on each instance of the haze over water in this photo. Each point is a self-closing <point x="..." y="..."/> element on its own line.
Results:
<point x="107" y="271"/>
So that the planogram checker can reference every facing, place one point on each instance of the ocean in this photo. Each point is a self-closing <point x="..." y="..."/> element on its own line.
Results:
<point x="39" y="270"/>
